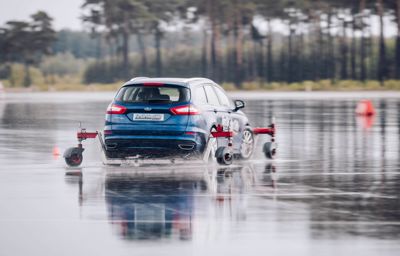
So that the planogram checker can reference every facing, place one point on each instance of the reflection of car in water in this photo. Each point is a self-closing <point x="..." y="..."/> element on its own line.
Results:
<point x="152" y="208"/>
<point x="153" y="205"/>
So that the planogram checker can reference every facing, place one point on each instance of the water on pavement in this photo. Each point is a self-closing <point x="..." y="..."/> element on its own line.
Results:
<point x="334" y="188"/>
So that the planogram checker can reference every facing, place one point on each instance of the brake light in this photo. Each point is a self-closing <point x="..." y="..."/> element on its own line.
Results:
<point x="185" y="110"/>
<point x="116" y="109"/>
<point x="107" y="132"/>
<point x="153" y="84"/>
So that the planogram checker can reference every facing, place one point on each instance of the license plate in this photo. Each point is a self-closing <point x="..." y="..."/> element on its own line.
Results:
<point x="148" y="117"/>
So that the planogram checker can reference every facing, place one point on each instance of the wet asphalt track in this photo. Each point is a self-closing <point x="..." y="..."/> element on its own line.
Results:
<point x="334" y="189"/>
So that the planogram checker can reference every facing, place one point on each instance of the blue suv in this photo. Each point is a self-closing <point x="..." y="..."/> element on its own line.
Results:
<point x="172" y="117"/>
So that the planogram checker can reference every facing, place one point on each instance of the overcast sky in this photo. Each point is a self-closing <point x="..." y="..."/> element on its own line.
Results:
<point x="66" y="14"/>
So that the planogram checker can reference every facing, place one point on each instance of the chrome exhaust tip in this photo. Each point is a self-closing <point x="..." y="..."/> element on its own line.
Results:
<point x="186" y="146"/>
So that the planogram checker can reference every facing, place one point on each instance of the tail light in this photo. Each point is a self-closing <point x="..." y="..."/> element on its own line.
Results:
<point x="107" y="132"/>
<point x="116" y="109"/>
<point x="185" y="110"/>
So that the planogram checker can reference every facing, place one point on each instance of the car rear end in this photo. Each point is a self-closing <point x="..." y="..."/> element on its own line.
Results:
<point x="151" y="119"/>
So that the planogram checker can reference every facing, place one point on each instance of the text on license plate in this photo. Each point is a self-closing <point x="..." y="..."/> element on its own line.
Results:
<point x="148" y="117"/>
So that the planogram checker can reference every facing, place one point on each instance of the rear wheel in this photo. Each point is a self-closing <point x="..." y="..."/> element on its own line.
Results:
<point x="247" y="147"/>
<point x="111" y="154"/>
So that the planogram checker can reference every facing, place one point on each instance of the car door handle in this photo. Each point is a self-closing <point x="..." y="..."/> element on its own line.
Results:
<point x="215" y="110"/>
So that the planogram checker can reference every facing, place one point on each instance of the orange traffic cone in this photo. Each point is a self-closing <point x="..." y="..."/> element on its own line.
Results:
<point x="365" y="108"/>
<point x="56" y="151"/>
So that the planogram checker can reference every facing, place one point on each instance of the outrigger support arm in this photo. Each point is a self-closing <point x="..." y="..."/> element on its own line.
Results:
<point x="270" y="130"/>
<point x="83" y="135"/>
<point x="224" y="155"/>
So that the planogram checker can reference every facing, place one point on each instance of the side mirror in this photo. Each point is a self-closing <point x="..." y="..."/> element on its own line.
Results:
<point x="238" y="105"/>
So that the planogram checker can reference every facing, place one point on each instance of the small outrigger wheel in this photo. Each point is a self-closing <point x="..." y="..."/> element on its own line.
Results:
<point x="224" y="156"/>
<point x="269" y="150"/>
<point x="73" y="157"/>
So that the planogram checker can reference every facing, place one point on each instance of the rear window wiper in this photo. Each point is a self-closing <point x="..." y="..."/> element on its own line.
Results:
<point x="158" y="101"/>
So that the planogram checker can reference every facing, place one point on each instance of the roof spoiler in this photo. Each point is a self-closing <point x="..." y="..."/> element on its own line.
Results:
<point x="197" y="78"/>
<point x="138" y="78"/>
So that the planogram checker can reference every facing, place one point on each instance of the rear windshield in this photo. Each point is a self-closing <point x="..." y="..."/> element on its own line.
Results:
<point x="153" y="94"/>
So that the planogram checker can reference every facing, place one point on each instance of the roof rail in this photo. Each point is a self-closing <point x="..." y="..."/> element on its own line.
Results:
<point x="196" y="78"/>
<point x="138" y="78"/>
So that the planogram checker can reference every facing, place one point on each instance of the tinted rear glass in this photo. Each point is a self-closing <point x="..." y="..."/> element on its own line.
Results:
<point x="153" y="94"/>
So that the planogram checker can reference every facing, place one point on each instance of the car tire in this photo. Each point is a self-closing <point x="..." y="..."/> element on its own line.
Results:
<point x="247" y="146"/>
<point x="111" y="154"/>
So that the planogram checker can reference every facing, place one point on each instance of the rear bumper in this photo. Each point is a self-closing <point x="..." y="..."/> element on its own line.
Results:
<point x="152" y="147"/>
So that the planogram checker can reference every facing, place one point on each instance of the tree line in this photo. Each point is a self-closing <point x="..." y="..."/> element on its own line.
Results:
<point x="227" y="40"/>
<point x="325" y="39"/>
<point x="27" y="42"/>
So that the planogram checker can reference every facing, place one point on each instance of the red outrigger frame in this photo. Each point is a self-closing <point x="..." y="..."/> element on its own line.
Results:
<point x="211" y="143"/>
